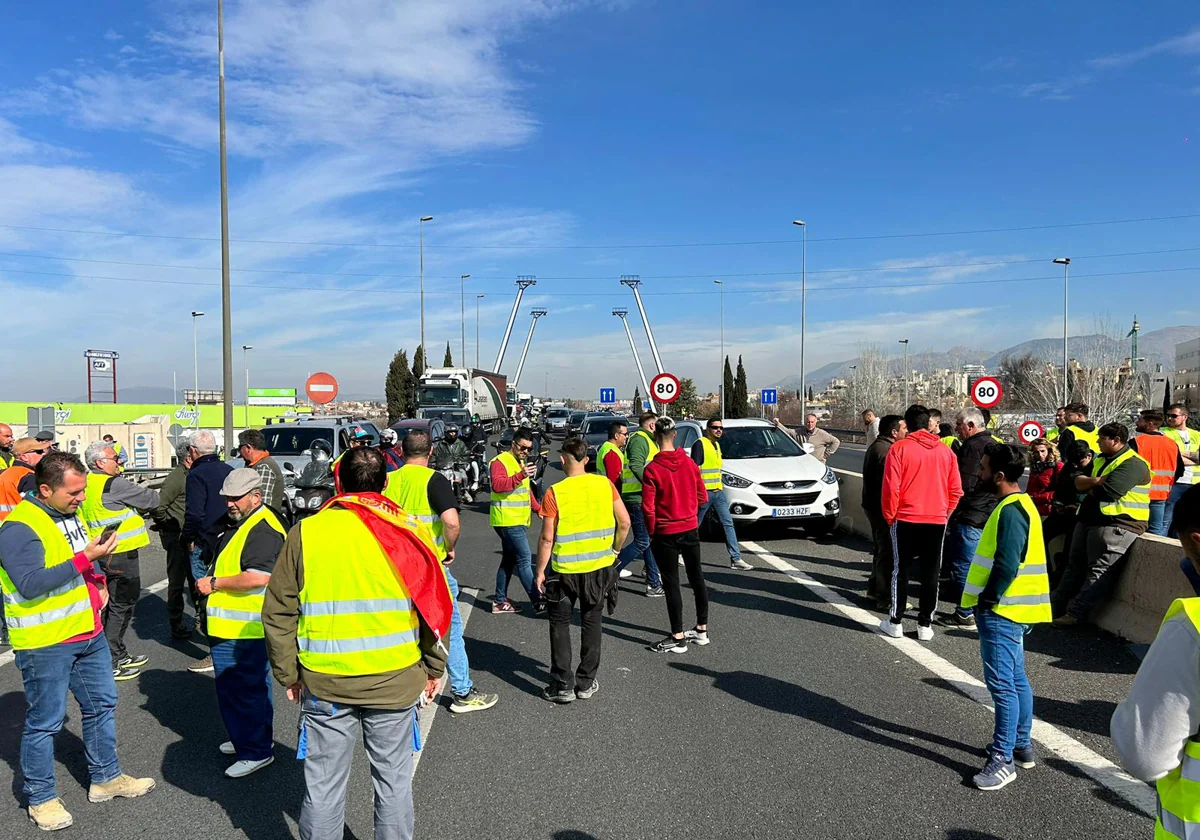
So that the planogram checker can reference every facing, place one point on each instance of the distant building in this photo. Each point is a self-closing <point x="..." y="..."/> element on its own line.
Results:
<point x="1187" y="374"/>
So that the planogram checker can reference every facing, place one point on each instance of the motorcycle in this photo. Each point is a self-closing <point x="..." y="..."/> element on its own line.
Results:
<point x="313" y="488"/>
<point x="480" y="478"/>
<point x="456" y="474"/>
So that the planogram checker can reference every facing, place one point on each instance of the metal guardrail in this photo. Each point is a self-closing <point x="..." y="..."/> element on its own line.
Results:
<point x="848" y="435"/>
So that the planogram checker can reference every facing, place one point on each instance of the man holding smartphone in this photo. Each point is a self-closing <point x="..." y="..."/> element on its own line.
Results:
<point x="511" y="513"/>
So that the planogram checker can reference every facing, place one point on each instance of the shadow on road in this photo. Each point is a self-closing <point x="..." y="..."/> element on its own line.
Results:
<point x="969" y="834"/>
<point x="786" y="698"/>
<point x="522" y="672"/>
<point x="740" y="590"/>
<point x="571" y="834"/>
<point x="1086" y="649"/>
<point x="68" y="748"/>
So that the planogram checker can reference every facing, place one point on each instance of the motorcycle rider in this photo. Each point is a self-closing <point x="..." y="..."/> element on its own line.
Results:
<point x="450" y="451"/>
<point x="472" y="436"/>
<point x="388" y="440"/>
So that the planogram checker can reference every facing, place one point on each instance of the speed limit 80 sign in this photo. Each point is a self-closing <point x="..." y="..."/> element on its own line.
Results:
<point x="986" y="392"/>
<point x="664" y="388"/>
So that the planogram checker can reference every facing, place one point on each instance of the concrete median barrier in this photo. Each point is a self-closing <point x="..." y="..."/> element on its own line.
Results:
<point x="1150" y="581"/>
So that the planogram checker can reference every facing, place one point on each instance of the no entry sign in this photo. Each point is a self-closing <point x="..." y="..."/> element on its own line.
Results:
<point x="664" y="388"/>
<point x="321" y="388"/>
<point x="986" y="392"/>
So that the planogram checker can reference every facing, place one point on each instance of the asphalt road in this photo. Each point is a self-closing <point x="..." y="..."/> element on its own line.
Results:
<point x="797" y="721"/>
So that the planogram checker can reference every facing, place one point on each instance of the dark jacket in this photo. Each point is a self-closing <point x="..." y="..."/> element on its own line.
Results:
<point x="172" y="504"/>
<point x="872" y="472"/>
<point x="1067" y="436"/>
<point x="978" y="501"/>
<point x="205" y="506"/>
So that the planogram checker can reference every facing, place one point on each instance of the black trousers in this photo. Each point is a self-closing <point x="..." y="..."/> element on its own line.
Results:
<point x="562" y="591"/>
<point x="916" y="548"/>
<point x="879" y="584"/>
<point x="179" y="575"/>
<point x="124" y="586"/>
<point x="667" y="549"/>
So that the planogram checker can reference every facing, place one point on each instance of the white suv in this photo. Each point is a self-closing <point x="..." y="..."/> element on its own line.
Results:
<point x="768" y="477"/>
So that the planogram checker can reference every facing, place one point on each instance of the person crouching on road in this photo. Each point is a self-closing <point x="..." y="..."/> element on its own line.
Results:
<point x="51" y="580"/>
<point x="672" y="494"/>
<point x="510" y="514"/>
<point x="706" y="452"/>
<point x="583" y="523"/>
<point x="1009" y="590"/>
<point x="354" y="670"/>
<point x="246" y="550"/>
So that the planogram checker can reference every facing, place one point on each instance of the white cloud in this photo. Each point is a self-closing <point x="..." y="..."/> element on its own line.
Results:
<point x="112" y="35"/>
<point x="1188" y="44"/>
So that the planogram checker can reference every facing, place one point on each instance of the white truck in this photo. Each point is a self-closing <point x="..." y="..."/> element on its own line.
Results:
<point x="444" y="392"/>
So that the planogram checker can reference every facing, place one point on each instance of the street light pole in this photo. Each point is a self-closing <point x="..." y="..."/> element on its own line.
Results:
<point x="462" y="300"/>
<point x="721" y="360"/>
<point x="803" y="314"/>
<point x="477" y="299"/>
<point x="246" y="367"/>
<point x="421" y="236"/>
<point x="196" y="356"/>
<point x="226" y="308"/>
<point x="904" y="341"/>
<point x="1065" y="262"/>
<point x="854" y="393"/>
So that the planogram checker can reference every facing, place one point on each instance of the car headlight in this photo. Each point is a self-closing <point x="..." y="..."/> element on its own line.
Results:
<point x="731" y="480"/>
<point x="829" y="477"/>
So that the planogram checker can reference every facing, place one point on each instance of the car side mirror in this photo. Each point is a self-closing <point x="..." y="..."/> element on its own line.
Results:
<point x="287" y="465"/>
<point x="809" y="448"/>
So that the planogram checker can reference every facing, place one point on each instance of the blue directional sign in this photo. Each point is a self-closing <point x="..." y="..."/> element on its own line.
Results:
<point x="608" y="396"/>
<point x="770" y="396"/>
<point x="645" y="405"/>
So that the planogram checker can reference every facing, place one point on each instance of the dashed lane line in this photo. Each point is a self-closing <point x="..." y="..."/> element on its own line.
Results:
<point x="426" y="715"/>
<point x="1098" y="768"/>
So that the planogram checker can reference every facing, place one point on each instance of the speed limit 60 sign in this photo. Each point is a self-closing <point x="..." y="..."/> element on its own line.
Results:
<point x="986" y="392"/>
<point x="1029" y="431"/>
<point x="664" y="388"/>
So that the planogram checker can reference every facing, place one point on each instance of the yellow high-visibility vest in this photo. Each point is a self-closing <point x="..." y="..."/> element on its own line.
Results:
<point x="408" y="487"/>
<point x="1191" y="475"/>
<point x="630" y="484"/>
<point x="949" y="440"/>
<point x="1027" y="599"/>
<point x="511" y="508"/>
<point x="583" y="540"/>
<point x="54" y="616"/>
<point x="1092" y="438"/>
<point x="1179" y="790"/>
<point x="710" y="470"/>
<point x="1136" y="503"/>
<point x="602" y="453"/>
<point x="356" y="616"/>
<point x="238" y="615"/>
<point x="131" y="527"/>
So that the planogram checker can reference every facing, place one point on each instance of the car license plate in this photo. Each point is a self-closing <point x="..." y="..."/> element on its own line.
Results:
<point x="791" y="511"/>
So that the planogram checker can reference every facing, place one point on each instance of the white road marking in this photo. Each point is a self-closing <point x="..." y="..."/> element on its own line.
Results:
<point x="426" y="715"/>
<point x="1100" y="769"/>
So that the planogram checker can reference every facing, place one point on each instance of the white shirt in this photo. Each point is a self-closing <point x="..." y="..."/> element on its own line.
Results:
<point x="72" y="529"/>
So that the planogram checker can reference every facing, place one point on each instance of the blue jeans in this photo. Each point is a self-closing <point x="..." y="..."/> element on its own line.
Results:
<point x="199" y="570"/>
<point x="457" y="665"/>
<point x="1177" y="491"/>
<point x="718" y="502"/>
<point x="515" y="556"/>
<point x="1158" y="517"/>
<point x="640" y="547"/>
<point x="85" y="669"/>
<point x="964" y="539"/>
<point x="1002" y="646"/>
<point x="243" y="679"/>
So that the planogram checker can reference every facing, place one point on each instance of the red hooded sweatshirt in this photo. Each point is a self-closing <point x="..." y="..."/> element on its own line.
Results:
<point x="672" y="493"/>
<point x="920" y="481"/>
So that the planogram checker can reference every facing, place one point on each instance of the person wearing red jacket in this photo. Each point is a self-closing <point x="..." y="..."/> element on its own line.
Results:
<point x="1044" y="467"/>
<point x="921" y="488"/>
<point x="672" y="493"/>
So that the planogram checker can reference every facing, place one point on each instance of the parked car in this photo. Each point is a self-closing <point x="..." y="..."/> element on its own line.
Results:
<point x="767" y="476"/>
<point x="595" y="431"/>
<point x="435" y="428"/>
<point x="555" y="420"/>
<point x="575" y="422"/>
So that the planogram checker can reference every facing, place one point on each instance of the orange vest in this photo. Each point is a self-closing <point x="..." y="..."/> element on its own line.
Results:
<point x="1161" y="453"/>
<point x="11" y="477"/>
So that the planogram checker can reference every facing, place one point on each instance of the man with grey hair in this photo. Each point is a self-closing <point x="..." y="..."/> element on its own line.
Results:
<point x="976" y="505"/>
<point x="823" y="443"/>
<point x="169" y="518"/>
<point x="115" y="502"/>
<point x="203" y="511"/>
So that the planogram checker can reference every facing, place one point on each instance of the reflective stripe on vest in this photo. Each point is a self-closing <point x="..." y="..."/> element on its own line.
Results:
<point x="1027" y="598"/>
<point x="408" y="487"/>
<point x="710" y="470"/>
<point x="1179" y="790"/>
<point x="583" y="538"/>
<point x="1191" y="475"/>
<point x="1136" y="503"/>
<point x="511" y="508"/>
<point x="1092" y="438"/>
<point x="1161" y="453"/>
<point x="131" y="528"/>
<point x="54" y="616"/>
<point x="238" y="615"/>
<point x="602" y="453"/>
<point x="10" y="497"/>
<point x="356" y="617"/>
<point x="630" y="485"/>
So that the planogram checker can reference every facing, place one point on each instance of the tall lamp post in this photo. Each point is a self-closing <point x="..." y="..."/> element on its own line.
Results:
<point x="246" y="348"/>
<point x="904" y="341"/>
<point x="1065" y="262"/>
<point x="854" y="392"/>
<point x="226" y="305"/>
<point x="721" y="360"/>
<point x="477" y="299"/>
<point x="803" y="314"/>
<point x="196" y="356"/>
<point x="421" y="235"/>
<point x="462" y="302"/>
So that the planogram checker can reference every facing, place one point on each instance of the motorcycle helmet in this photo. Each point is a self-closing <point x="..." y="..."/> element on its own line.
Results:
<point x="388" y="437"/>
<point x="321" y="450"/>
<point x="451" y="432"/>
<point x="467" y="430"/>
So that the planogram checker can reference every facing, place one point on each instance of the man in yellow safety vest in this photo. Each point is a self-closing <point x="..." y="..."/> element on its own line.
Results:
<point x="1188" y="441"/>
<point x="1008" y="589"/>
<point x="640" y="450"/>
<point x="583" y="524"/>
<point x="6" y="446"/>
<point x="510" y="514"/>
<point x="1078" y="428"/>
<point x="706" y="452"/>
<point x="1156" y="729"/>
<point x="245" y="553"/>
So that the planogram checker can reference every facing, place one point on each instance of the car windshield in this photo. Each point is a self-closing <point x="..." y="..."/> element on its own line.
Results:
<point x="439" y="395"/>
<point x="599" y="425"/>
<point x="577" y="417"/>
<point x="758" y="442"/>
<point x="294" y="439"/>
<point x="450" y="415"/>
<point x="558" y="412"/>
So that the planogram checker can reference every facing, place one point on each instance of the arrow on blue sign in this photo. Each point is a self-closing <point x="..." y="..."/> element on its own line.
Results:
<point x="608" y="396"/>
<point x="770" y="396"/>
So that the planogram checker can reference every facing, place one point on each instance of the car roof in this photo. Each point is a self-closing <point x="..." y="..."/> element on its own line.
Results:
<point x="748" y="421"/>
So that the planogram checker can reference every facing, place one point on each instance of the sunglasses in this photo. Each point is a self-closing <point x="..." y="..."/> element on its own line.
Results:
<point x="524" y="447"/>
<point x="1174" y="416"/>
<point x="717" y="428"/>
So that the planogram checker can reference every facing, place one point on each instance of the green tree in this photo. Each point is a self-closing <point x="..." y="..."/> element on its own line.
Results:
<point x="739" y="405"/>
<point x="637" y="401"/>
<point x="689" y="401"/>
<point x="728" y="392"/>
<point x="448" y="361"/>
<point x="414" y="381"/>
<point x="396" y="387"/>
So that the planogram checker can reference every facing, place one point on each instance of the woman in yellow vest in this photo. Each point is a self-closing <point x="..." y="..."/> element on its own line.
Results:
<point x="246" y="551"/>
<point x="583" y="524"/>
<point x="1009" y="590"/>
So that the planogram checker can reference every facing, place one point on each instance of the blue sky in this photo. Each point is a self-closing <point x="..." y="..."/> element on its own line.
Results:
<point x="548" y="136"/>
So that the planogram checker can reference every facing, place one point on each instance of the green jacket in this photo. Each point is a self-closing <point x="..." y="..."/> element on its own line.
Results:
<point x="171" y="498"/>
<point x="637" y="451"/>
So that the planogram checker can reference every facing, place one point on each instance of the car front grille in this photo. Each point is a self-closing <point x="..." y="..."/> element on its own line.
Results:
<point x="789" y="499"/>
<point x="795" y="485"/>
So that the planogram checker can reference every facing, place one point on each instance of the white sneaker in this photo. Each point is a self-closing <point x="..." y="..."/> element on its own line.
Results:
<point x="624" y="574"/>
<point x="244" y="768"/>
<point x="925" y="634"/>
<point x="681" y="563"/>
<point x="228" y="748"/>
<point x="740" y="565"/>
<point x="696" y="637"/>
<point x="896" y="631"/>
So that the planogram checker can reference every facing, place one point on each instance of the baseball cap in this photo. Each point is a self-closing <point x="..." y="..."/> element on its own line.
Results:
<point x="44" y="436"/>
<point x="27" y="445"/>
<point x="240" y="482"/>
